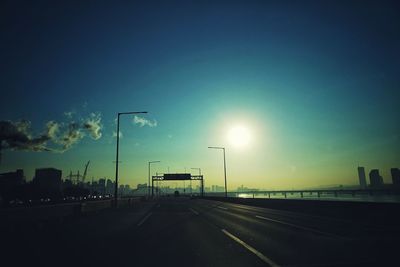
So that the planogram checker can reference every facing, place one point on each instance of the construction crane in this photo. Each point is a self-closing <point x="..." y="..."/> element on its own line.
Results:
<point x="77" y="176"/>
<point x="85" y="172"/>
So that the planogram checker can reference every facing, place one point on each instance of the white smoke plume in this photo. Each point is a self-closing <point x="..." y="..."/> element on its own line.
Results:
<point x="144" y="122"/>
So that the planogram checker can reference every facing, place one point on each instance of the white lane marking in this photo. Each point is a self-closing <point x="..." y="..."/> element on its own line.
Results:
<point x="298" y="226"/>
<point x="251" y="249"/>
<point x="223" y="208"/>
<point x="192" y="210"/>
<point x="284" y="213"/>
<point x="144" y="219"/>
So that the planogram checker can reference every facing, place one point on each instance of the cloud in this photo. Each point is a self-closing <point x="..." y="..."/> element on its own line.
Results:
<point x="114" y="135"/>
<point x="56" y="137"/>
<point x="93" y="126"/>
<point x="70" y="137"/>
<point x="69" y="114"/>
<point x="144" y="122"/>
<point x="52" y="129"/>
<point x="16" y="136"/>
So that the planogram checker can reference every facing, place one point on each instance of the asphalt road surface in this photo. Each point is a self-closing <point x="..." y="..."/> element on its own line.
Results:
<point x="178" y="231"/>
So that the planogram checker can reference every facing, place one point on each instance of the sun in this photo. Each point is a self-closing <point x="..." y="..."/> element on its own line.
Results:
<point x="239" y="136"/>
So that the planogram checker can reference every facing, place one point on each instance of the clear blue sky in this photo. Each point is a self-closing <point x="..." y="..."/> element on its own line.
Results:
<point x="315" y="84"/>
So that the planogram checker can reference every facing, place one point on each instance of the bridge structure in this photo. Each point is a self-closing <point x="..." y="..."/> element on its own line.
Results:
<point x="178" y="177"/>
<point x="318" y="192"/>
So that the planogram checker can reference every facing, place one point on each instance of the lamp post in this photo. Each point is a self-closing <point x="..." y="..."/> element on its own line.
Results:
<point x="223" y="149"/>
<point x="191" y="179"/>
<point x="150" y="162"/>
<point x="117" y="156"/>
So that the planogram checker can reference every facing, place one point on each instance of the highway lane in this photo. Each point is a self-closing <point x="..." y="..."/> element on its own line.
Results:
<point x="319" y="224"/>
<point x="193" y="232"/>
<point x="173" y="234"/>
<point x="80" y="241"/>
<point x="303" y="240"/>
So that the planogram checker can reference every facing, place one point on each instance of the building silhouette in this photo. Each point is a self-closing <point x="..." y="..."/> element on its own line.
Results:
<point x="217" y="188"/>
<point x="244" y="189"/>
<point x="375" y="178"/>
<point x="110" y="187"/>
<point x="361" y="177"/>
<point x="395" y="176"/>
<point x="48" y="182"/>
<point x="9" y="181"/>
<point x="141" y="186"/>
<point x="101" y="186"/>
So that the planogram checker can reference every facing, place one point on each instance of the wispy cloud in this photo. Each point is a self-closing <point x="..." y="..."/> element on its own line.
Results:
<point x="93" y="125"/>
<point x="69" y="114"/>
<point x="114" y="134"/>
<point x="56" y="137"/>
<point x="144" y="122"/>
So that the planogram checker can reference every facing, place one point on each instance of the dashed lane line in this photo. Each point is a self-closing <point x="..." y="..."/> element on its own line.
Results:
<point x="144" y="219"/>
<point x="192" y="210"/>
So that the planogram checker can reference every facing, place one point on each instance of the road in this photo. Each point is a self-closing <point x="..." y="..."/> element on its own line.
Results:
<point x="178" y="231"/>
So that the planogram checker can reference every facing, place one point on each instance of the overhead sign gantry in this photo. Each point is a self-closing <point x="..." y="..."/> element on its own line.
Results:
<point x="178" y="177"/>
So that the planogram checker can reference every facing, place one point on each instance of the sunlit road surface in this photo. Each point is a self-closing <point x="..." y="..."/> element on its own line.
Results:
<point x="177" y="231"/>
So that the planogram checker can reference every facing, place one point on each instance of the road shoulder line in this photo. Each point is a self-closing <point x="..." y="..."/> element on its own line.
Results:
<point x="300" y="227"/>
<point x="251" y="249"/>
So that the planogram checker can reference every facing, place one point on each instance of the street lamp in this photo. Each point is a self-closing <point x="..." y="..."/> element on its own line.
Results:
<point x="223" y="148"/>
<point x="191" y="179"/>
<point x="150" y="162"/>
<point x="117" y="156"/>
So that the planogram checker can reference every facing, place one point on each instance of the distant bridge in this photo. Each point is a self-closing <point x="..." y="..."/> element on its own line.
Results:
<point x="313" y="192"/>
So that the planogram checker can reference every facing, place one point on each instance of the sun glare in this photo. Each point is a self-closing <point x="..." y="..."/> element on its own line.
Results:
<point x="239" y="136"/>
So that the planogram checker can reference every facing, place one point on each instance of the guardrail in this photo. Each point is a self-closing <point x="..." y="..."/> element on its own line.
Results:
<point x="386" y="213"/>
<point x="309" y="193"/>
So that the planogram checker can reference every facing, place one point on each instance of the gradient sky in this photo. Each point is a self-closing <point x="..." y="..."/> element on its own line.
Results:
<point x="315" y="82"/>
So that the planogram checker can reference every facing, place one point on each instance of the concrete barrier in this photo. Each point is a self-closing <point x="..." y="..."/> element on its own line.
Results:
<point x="40" y="212"/>
<point x="128" y="202"/>
<point x="382" y="213"/>
<point x="91" y="206"/>
<point x="23" y="217"/>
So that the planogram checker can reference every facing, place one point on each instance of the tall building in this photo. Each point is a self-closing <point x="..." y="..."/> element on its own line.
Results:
<point x="48" y="182"/>
<point x="102" y="186"/>
<point x="395" y="176"/>
<point x="141" y="186"/>
<point x="375" y="179"/>
<point x="110" y="187"/>
<point x="9" y="181"/>
<point x="361" y="177"/>
<point x="217" y="188"/>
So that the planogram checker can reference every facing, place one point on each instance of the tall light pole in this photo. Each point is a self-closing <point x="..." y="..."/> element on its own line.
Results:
<point x="223" y="148"/>
<point x="191" y="179"/>
<point x="148" y="186"/>
<point x="117" y="156"/>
